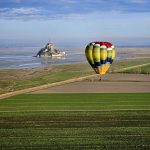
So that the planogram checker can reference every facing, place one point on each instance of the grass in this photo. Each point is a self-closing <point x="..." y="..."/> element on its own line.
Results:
<point x="75" y="121"/>
<point x="120" y="64"/>
<point x="140" y="70"/>
<point x="12" y="80"/>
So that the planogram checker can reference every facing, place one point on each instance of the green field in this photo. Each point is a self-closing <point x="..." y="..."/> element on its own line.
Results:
<point x="75" y="121"/>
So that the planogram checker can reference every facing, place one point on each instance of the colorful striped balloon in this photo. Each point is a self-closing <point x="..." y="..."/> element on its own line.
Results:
<point x="100" y="56"/>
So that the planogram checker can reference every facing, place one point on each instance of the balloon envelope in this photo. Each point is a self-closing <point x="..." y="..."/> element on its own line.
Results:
<point x="100" y="56"/>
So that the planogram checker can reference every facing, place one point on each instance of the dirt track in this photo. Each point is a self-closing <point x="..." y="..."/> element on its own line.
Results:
<point x="118" y="83"/>
<point x="111" y="83"/>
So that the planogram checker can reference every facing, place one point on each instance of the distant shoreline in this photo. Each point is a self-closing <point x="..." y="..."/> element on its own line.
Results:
<point x="67" y="46"/>
<point x="21" y="58"/>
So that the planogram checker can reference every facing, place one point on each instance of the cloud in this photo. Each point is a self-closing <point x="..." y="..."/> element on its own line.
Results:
<point x="35" y="13"/>
<point x="20" y="13"/>
<point x="54" y="9"/>
<point x="25" y="11"/>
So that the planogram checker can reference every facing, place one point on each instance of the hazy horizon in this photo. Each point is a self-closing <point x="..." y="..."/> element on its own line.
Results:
<point x="76" y="44"/>
<point x="74" y="22"/>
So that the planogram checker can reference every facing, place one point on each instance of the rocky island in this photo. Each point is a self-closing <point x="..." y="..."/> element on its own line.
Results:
<point x="50" y="51"/>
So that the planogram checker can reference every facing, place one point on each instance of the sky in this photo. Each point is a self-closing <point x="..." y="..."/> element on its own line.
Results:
<point x="75" y="22"/>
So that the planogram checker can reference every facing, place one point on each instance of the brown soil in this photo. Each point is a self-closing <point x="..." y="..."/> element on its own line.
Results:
<point x="110" y="83"/>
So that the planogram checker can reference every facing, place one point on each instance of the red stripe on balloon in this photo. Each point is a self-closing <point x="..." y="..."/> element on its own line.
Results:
<point x="107" y="44"/>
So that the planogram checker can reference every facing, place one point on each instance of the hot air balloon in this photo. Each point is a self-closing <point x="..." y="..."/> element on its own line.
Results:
<point x="100" y="56"/>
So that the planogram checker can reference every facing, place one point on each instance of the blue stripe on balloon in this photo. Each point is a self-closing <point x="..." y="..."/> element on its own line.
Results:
<point x="109" y="60"/>
<point x="103" y="61"/>
<point x="93" y="65"/>
<point x="97" y="64"/>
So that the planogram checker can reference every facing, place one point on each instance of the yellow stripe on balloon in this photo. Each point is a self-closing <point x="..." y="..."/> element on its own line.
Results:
<point x="96" y="53"/>
<point x="89" y="53"/>
<point x="103" y="69"/>
<point x="109" y="53"/>
<point x="103" y="53"/>
<point x="106" y="66"/>
<point x="113" y="53"/>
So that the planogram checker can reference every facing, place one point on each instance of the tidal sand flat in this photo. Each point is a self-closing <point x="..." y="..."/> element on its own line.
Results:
<point x="22" y="57"/>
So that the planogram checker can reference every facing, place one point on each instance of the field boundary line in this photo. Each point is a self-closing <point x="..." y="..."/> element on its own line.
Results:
<point x="6" y="95"/>
<point x="70" y="110"/>
<point x="32" y="89"/>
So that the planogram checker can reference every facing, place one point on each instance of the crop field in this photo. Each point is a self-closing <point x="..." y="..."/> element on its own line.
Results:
<point x="75" y="121"/>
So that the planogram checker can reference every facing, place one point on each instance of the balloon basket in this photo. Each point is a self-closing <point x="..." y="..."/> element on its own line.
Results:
<point x="100" y="79"/>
